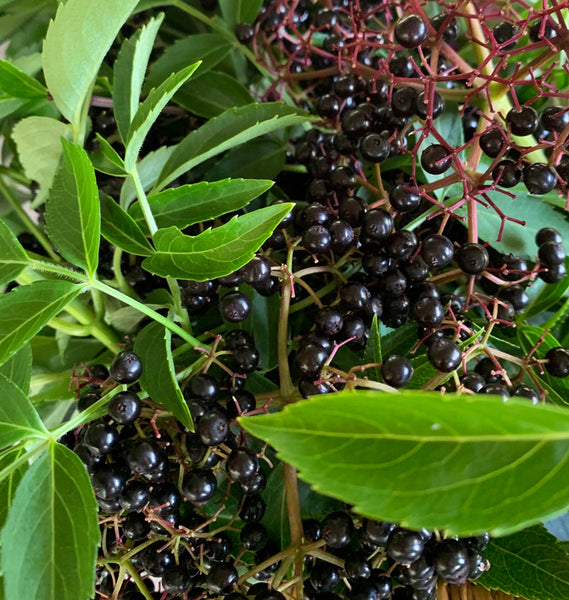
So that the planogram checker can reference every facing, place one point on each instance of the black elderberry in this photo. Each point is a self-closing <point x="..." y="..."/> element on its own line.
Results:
<point x="310" y="359"/>
<point x="355" y="296"/>
<point x="551" y="253"/>
<point x="313" y="214"/>
<point x="176" y="579"/>
<point x="242" y="464"/>
<point x="355" y="124"/>
<point x="492" y="142"/>
<point x="377" y="224"/>
<point x="411" y="31"/>
<point x="507" y="173"/>
<point x="240" y="402"/>
<point x="401" y="66"/>
<point x="394" y="283"/>
<point x="541" y="29"/>
<point x="329" y="321"/>
<point x="554" y="274"/>
<point x="324" y="576"/>
<point x="525" y="391"/>
<point x="237" y="337"/>
<point x="376" y="264"/>
<point x="539" y="178"/>
<point x="445" y="355"/>
<point x="135" y="526"/>
<point x="199" y="485"/>
<point x="451" y="561"/>
<point x="429" y="312"/>
<point x="548" y="234"/>
<point x="557" y="363"/>
<point x="516" y="296"/>
<point x="87" y="399"/>
<point x="125" y="407"/>
<point x="244" y="33"/>
<point x="396" y="370"/>
<point x="555" y="118"/>
<point x="213" y="428"/>
<point x="401" y="244"/>
<point x="126" y="367"/>
<point x="376" y="532"/>
<point x="235" y="307"/>
<point x="254" y="536"/>
<point x="342" y="234"/>
<point x="496" y="389"/>
<point x="425" y="107"/>
<point x="436" y="159"/>
<point x="405" y="546"/>
<point x="403" y="102"/>
<point x="337" y="529"/>
<point x="144" y="457"/>
<point x="437" y="251"/>
<point x="473" y="381"/>
<point x="135" y="495"/>
<point x="382" y="583"/>
<point x="472" y="258"/>
<point x="404" y="198"/>
<point x="375" y="147"/>
<point x="245" y="359"/>
<point x="221" y="578"/>
<point x="101" y="438"/>
<point x="317" y="239"/>
<point x="328" y="106"/>
<point x="108" y="481"/>
<point x="523" y="121"/>
<point x="344" y="144"/>
<point x="415" y="270"/>
<point x="503" y="32"/>
<point x="257" y="270"/>
<point x="451" y="31"/>
<point x="253" y="508"/>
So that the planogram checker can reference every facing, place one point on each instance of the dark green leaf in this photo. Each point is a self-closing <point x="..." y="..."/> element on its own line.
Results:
<point x="13" y="258"/>
<point x="73" y="218"/>
<point x="239" y="11"/>
<point x="129" y="71"/>
<point x="230" y="129"/>
<point x="53" y="524"/>
<point x="149" y="110"/>
<point x="372" y="352"/>
<point x="460" y="464"/>
<point x="531" y="564"/>
<point x="27" y="309"/>
<point x="18" y="369"/>
<point x="257" y="158"/>
<point x="215" y="252"/>
<point x="196" y="202"/>
<point x="9" y="484"/>
<point x="153" y="345"/>
<point x="18" y="84"/>
<point x="18" y="418"/>
<point x="71" y="58"/>
<point x="106" y="159"/>
<point x="38" y="140"/>
<point x="211" y="94"/>
<point x="264" y="326"/>
<point x="209" y="48"/>
<point x="399" y="340"/>
<point x="119" y="228"/>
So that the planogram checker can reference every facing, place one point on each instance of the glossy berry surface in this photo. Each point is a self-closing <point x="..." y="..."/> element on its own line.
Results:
<point x="411" y="31"/>
<point x="126" y="367"/>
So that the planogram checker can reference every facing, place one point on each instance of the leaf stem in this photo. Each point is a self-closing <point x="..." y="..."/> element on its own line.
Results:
<point x="143" y="201"/>
<point x="25" y="457"/>
<point x="129" y="568"/>
<point x="286" y="384"/>
<point x="295" y="523"/>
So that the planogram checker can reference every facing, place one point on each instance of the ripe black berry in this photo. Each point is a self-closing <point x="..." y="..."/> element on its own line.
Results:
<point x="503" y="33"/>
<point x="245" y="359"/>
<point x="404" y="198"/>
<point x="551" y="253"/>
<point x="437" y="251"/>
<point x="492" y="142"/>
<point x="555" y="118"/>
<point x="221" y="577"/>
<point x="199" y="485"/>
<point x="235" y="307"/>
<point x="429" y="312"/>
<point x="548" y="234"/>
<point x="403" y="102"/>
<point x="244" y="33"/>
<point x="329" y="321"/>
<point x="355" y="296"/>
<point x="125" y="407"/>
<point x="445" y="355"/>
<point x="522" y="122"/>
<point x="377" y="224"/>
<point x="337" y="529"/>
<point x="424" y="104"/>
<point x="410" y="31"/>
<point x="242" y="464"/>
<point x="472" y="258"/>
<point x="436" y="159"/>
<point x="126" y="367"/>
<point x="317" y="239"/>
<point x="253" y="507"/>
<point x="396" y="370"/>
<point x="213" y="428"/>
<point x="135" y="495"/>
<point x="507" y="173"/>
<point x="557" y="363"/>
<point x="310" y="359"/>
<point x="451" y="561"/>
<point x="405" y="546"/>
<point x="375" y="147"/>
<point x="539" y="178"/>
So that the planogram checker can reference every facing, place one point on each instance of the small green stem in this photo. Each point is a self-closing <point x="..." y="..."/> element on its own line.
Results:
<point x="27" y="221"/>
<point x="143" y="201"/>
<point x="121" y="281"/>
<point x="129" y="567"/>
<point x="295" y="523"/>
<point x="24" y="458"/>
<point x="286" y="384"/>
<point x="73" y="329"/>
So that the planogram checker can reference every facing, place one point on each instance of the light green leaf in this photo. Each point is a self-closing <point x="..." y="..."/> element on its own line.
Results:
<point x="38" y="140"/>
<point x="212" y="93"/>
<point x="27" y="309"/>
<point x="230" y="129"/>
<point x="106" y="159"/>
<point x="239" y="11"/>
<point x="153" y="345"/>
<point x="18" y="418"/>
<point x="18" y="84"/>
<point x="13" y="257"/>
<point x="215" y="252"/>
<point x="196" y="202"/>
<point x="73" y="218"/>
<point x="52" y="524"/>
<point x="149" y="110"/>
<point x="9" y="484"/>
<point x="119" y="228"/>
<point x="372" y="352"/>
<point x="75" y="45"/>
<point x="18" y="369"/>
<point x="209" y="48"/>
<point x="463" y="465"/>
<point x="129" y="71"/>
<point x="531" y="564"/>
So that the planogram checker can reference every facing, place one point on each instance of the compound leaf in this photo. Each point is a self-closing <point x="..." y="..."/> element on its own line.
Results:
<point x="13" y="257"/>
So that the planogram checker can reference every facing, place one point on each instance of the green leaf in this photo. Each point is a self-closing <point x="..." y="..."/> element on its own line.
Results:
<point x="18" y="84"/>
<point x="119" y="228"/>
<point x="239" y="11"/>
<point x="196" y="202"/>
<point x="148" y="112"/>
<point x="129" y="72"/>
<point x="153" y="345"/>
<point x="460" y="464"/>
<point x="215" y="252"/>
<point x="257" y="158"/>
<point x="372" y="352"/>
<point x="9" y="484"/>
<point x="73" y="218"/>
<point x="52" y="524"/>
<point x="18" y="369"/>
<point x="74" y="47"/>
<point x="18" y="418"/>
<point x="212" y="93"/>
<point x="264" y="327"/>
<point x="13" y="257"/>
<point x="27" y="309"/>
<point x="230" y="129"/>
<point x="107" y="160"/>
<point x="38" y="140"/>
<point x="531" y="564"/>
<point x="209" y="48"/>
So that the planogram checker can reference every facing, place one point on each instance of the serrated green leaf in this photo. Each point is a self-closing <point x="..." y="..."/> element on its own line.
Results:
<point x="38" y="140"/>
<point x="230" y="129"/>
<point x="18" y="369"/>
<point x="463" y="465"/>
<point x="13" y="257"/>
<point x="153" y="345"/>
<point x="73" y="216"/>
<point x="212" y="93"/>
<point x="18" y="418"/>
<point x="53" y="523"/>
<point x="27" y="309"/>
<point x="372" y="352"/>
<point x="215" y="252"/>
<point x="118" y="227"/>
<point x="239" y="11"/>
<point x="264" y="327"/>
<point x="9" y="484"/>
<point x="129" y="72"/>
<point x="197" y="202"/>
<point x="149" y="110"/>
<point x="107" y="160"/>
<point x="209" y="48"/>
<point x="257" y="158"/>
<point x="531" y="564"/>
<point x="74" y="47"/>
<point x="17" y="84"/>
